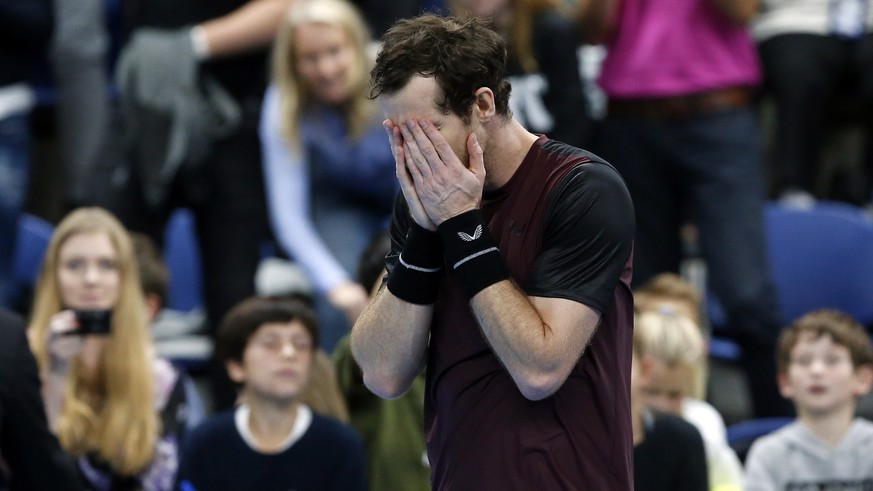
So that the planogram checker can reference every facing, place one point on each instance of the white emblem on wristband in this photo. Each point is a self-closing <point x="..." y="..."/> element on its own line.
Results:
<point x="470" y="238"/>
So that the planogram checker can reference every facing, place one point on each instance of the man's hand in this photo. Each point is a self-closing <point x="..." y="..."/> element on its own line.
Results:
<point x="416" y="209"/>
<point x="445" y="187"/>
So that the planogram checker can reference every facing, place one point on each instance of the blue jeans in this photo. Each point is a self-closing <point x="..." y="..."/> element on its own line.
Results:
<point x="707" y="169"/>
<point x="14" y="156"/>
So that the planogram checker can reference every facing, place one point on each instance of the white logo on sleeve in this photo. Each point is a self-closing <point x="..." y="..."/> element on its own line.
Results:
<point x="468" y="238"/>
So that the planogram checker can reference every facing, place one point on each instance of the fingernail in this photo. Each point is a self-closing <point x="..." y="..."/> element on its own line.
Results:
<point x="422" y="123"/>
<point x="410" y="123"/>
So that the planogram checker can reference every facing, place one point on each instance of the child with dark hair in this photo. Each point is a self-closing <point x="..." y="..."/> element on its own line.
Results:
<point x="154" y="278"/>
<point x="825" y="363"/>
<point x="272" y="441"/>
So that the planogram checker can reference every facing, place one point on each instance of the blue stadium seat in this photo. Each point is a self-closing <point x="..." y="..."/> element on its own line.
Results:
<point x="34" y="235"/>
<point x="182" y="256"/>
<point x="820" y="257"/>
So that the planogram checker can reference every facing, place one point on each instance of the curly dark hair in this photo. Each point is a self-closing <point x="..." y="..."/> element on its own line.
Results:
<point x="462" y="54"/>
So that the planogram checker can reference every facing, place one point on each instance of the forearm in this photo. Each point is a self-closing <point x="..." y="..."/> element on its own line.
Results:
<point x="389" y="342"/>
<point x="53" y="389"/>
<point x="738" y="11"/>
<point x="250" y="27"/>
<point x="533" y="353"/>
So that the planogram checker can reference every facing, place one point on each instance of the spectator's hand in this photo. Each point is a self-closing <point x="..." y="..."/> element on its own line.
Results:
<point x="157" y="66"/>
<point x="350" y="297"/>
<point x="63" y="344"/>
<point x="446" y="186"/>
<point x="416" y="209"/>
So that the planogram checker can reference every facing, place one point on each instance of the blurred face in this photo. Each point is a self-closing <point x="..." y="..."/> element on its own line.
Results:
<point x="665" y="386"/>
<point x="276" y="362"/>
<point x="88" y="272"/>
<point x="418" y="101"/>
<point x="821" y="378"/>
<point x="325" y="62"/>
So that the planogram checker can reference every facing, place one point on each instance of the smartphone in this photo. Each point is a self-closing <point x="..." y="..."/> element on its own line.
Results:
<point x="97" y="322"/>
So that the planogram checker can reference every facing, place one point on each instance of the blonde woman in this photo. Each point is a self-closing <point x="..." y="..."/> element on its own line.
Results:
<point x="101" y="380"/>
<point x="328" y="166"/>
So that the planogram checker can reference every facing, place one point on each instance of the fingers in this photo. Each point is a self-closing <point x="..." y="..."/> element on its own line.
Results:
<point x="63" y="322"/>
<point x="427" y="154"/>
<point x="477" y="156"/>
<point x="395" y="140"/>
<point x="416" y="162"/>
<point x="434" y="139"/>
<point x="63" y="347"/>
<point x="407" y="172"/>
<point x="415" y="151"/>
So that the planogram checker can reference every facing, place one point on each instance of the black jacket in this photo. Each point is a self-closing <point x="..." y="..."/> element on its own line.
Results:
<point x="35" y="458"/>
<point x="25" y="31"/>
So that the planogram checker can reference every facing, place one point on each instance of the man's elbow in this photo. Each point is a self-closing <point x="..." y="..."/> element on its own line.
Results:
<point x="386" y="387"/>
<point x="536" y="387"/>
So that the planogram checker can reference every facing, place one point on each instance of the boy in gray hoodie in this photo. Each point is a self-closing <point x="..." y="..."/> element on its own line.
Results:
<point x="825" y="363"/>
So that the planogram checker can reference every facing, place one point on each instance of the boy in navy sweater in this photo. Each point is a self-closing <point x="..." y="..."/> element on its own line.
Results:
<point x="271" y="441"/>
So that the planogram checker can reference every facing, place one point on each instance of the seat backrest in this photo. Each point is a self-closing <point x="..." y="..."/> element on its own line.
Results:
<point x="32" y="240"/>
<point x="821" y="257"/>
<point x="742" y="435"/>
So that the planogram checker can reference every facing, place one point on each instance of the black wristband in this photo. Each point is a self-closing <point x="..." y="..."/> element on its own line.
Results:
<point x="472" y="252"/>
<point x="415" y="278"/>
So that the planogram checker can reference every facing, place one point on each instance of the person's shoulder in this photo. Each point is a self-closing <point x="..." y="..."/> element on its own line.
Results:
<point x="863" y="424"/>
<point x="12" y="332"/>
<point x="863" y="428"/>
<point x="706" y="418"/>
<point x="10" y="321"/>
<point x="776" y="442"/>
<point x="703" y="408"/>
<point x="590" y="181"/>
<point x="215" y="427"/>
<point x="675" y="426"/>
<point x="583" y="160"/>
<point x="327" y="427"/>
<point x="343" y="347"/>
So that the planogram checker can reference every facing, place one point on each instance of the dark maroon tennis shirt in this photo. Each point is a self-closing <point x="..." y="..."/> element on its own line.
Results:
<point x="564" y="224"/>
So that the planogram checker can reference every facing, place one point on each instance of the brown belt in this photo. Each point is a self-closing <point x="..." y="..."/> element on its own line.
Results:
<point x="682" y="106"/>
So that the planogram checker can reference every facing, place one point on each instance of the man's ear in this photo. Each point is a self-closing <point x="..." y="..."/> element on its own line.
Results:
<point x="235" y="371"/>
<point x="863" y="379"/>
<point x="485" y="108"/>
